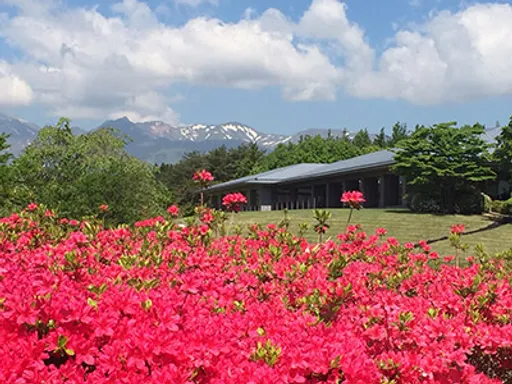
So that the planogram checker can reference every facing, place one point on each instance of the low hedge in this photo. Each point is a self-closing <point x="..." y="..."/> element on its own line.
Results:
<point x="502" y="206"/>
<point x="468" y="202"/>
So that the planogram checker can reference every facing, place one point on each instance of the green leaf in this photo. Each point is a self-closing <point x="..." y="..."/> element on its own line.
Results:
<point x="146" y="305"/>
<point x="62" y="341"/>
<point x="93" y="303"/>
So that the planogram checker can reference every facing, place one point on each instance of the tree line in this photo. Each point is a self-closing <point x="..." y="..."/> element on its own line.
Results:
<point x="444" y="164"/>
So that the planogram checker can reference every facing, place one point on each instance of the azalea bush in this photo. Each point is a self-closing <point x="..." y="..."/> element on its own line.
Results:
<point x="159" y="302"/>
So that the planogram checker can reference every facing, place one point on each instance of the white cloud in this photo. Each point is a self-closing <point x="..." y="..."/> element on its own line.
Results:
<point x="327" y="19"/>
<point x="452" y="57"/>
<point x="82" y="63"/>
<point x="148" y="106"/>
<point x="94" y="64"/>
<point x="13" y="90"/>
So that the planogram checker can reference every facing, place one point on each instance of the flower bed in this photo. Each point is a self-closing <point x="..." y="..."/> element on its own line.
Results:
<point x="161" y="303"/>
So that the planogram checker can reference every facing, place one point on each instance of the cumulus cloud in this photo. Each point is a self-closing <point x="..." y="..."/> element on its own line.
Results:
<point x="13" y="90"/>
<point x="148" y="106"/>
<point x="327" y="20"/>
<point x="82" y="63"/>
<point x="452" y="57"/>
<point x="95" y="64"/>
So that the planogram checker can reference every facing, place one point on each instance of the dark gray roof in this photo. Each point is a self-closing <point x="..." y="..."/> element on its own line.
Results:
<point x="308" y="171"/>
<point x="360" y="163"/>
<point x="270" y="177"/>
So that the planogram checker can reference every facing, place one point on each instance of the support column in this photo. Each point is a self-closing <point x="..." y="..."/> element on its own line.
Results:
<point x="294" y="197"/>
<point x="382" y="191"/>
<point x="327" y="195"/>
<point x="403" y="191"/>
<point x="249" y="199"/>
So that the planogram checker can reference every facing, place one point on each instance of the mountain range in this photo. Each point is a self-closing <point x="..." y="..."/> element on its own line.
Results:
<point x="159" y="142"/>
<point x="20" y="132"/>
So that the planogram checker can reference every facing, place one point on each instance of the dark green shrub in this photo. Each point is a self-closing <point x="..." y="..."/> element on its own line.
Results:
<point x="469" y="203"/>
<point x="466" y="201"/>
<point x="424" y="203"/>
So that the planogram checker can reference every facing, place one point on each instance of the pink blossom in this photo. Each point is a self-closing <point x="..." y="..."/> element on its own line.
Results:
<point x="353" y="198"/>
<point x="173" y="210"/>
<point x="457" y="229"/>
<point x="234" y="201"/>
<point x="203" y="177"/>
<point x="32" y="207"/>
<point x="207" y="216"/>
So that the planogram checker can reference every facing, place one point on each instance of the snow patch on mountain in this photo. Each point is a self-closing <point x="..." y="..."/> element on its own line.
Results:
<point x="200" y="132"/>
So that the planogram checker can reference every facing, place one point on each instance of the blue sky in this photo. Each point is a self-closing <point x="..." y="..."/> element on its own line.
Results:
<point x="280" y="66"/>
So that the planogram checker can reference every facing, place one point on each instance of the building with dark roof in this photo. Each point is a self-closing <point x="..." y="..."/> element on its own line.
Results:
<point x="303" y="186"/>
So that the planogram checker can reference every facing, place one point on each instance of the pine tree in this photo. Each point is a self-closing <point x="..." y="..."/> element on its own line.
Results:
<point x="380" y="140"/>
<point x="503" y="153"/>
<point x="362" y="139"/>
<point x="398" y="133"/>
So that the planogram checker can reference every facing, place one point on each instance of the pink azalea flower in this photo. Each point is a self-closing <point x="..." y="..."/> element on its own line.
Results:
<point x="354" y="199"/>
<point x="234" y="201"/>
<point x="173" y="210"/>
<point x="457" y="229"/>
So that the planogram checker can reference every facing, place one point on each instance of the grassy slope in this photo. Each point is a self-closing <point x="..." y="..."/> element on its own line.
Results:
<point x="402" y="224"/>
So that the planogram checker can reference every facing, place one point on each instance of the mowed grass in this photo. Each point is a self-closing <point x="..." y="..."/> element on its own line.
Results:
<point x="402" y="224"/>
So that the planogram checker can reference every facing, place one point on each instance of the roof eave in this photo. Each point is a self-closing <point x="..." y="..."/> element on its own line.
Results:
<point x="233" y="186"/>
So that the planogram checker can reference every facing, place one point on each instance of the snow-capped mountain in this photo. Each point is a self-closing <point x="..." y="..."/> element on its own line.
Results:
<point x="231" y="131"/>
<point x="160" y="142"/>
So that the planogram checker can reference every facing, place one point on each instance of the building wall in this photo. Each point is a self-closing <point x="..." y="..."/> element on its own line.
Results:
<point x="380" y="187"/>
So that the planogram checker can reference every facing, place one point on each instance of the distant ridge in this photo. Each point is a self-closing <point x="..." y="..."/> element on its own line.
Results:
<point x="159" y="142"/>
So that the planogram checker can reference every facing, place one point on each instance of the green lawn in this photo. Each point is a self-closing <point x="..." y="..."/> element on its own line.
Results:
<point x="402" y="224"/>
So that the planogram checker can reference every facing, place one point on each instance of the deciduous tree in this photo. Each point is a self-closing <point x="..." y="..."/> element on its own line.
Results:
<point x="444" y="161"/>
<point x="76" y="174"/>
